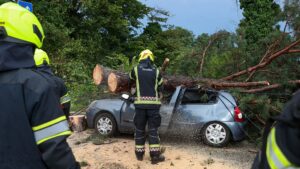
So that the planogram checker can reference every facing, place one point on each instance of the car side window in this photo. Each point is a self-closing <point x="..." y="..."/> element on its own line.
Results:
<point x="196" y="96"/>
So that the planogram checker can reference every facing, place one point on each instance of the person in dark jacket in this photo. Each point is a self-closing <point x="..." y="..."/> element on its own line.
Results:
<point x="148" y="82"/>
<point x="33" y="128"/>
<point x="281" y="140"/>
<point x="42" y="63"/>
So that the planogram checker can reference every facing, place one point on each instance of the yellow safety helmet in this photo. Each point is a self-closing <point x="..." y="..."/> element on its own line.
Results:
<point x="41" y="58"/>
<point x="145" y="54"/>
<point x="19" y="25"/>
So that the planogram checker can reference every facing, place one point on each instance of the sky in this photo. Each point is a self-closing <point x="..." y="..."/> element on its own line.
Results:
<point x="201" y="16"/>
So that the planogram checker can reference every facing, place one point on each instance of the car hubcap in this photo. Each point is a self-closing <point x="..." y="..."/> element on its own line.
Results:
<point x="215" y="133"/>
<point x="104" y="125"/>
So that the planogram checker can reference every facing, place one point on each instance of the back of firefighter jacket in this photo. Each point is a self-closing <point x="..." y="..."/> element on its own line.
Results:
<point x="148" y="85"/>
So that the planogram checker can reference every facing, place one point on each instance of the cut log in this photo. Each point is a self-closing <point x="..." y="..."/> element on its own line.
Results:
<point x="100" y="74"/>
<point x="78" y="123"/>
<point x="118" y="82"/>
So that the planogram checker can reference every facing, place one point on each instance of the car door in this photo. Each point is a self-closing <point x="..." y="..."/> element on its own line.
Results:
<point x="126" y="116"/>
<point x="166" y="112"/>
<point x="193" y="111"/>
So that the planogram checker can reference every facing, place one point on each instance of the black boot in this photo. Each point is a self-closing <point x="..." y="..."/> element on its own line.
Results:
<point x="139" y="157"/>
<point x="157" y="158"/>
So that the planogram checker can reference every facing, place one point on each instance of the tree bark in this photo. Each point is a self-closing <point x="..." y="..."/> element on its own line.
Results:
<point x="100" y="74"/>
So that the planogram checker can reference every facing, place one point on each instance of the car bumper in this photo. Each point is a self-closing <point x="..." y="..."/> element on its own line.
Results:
<point x="237" y="130"/>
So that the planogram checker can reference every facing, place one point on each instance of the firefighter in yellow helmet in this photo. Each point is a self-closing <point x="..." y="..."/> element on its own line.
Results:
<point x="33" y="128"/>
<point x="42" y="63"/>
<point x="147" y="102"/>
<point x="281" y="140"/>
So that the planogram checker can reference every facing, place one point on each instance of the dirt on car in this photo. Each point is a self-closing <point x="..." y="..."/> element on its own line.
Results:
<point x="96" y="152"/>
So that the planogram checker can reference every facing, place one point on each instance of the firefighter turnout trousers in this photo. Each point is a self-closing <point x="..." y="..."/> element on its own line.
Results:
<point x="141" y="118"/>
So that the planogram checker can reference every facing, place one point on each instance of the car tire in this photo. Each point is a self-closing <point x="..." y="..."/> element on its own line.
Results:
<point x="215" y="134"/>
<point x="105" y="125"/>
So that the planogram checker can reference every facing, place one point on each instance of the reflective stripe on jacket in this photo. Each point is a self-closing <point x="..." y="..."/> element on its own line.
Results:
<point x="275" y="157"/>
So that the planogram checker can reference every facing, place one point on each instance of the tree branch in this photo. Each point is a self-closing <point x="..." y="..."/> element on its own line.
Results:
<point x="211" y="41"/>
<point x="273" y="86"/>
<point x="269" y="52"/>
<point x="265" y="63"/>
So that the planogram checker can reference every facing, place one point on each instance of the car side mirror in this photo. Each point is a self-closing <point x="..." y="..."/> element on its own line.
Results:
<point x="125" y="96"/>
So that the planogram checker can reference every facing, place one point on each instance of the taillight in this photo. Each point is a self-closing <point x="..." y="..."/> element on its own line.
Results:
<point x="238" y="115"/>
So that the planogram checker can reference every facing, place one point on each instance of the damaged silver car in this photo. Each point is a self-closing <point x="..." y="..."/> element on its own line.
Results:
<point x="213" y="115"/>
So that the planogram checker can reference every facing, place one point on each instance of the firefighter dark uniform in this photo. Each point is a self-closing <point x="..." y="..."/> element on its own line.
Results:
<point x="281" y="141"/>
<point x="33" y="129"/>
<point x="147" y="103"/>
<point x="42" y="63"/>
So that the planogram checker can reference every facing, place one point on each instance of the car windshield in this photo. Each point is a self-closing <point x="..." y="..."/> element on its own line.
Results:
<point x="199" y="96"/>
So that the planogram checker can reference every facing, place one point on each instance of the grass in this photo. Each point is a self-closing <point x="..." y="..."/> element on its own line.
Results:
<point x="96" y="139"/>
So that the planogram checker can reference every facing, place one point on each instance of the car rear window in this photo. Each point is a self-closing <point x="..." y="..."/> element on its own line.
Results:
<point x="199" y="96"/>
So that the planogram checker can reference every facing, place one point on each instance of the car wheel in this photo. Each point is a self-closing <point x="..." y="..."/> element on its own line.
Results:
<point x="105" y="124"/>
<point x="216" y="134"/>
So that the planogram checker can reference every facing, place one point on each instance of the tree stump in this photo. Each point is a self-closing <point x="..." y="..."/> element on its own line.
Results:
<point x="78" y="123"/>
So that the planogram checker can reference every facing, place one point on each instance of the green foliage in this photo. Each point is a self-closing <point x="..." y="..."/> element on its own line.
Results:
<point x="260" y="16"/>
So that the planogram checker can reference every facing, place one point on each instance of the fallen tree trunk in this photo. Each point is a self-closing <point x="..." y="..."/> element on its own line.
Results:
<point x="100" y="74"/>
<point x="120" y="82"/>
